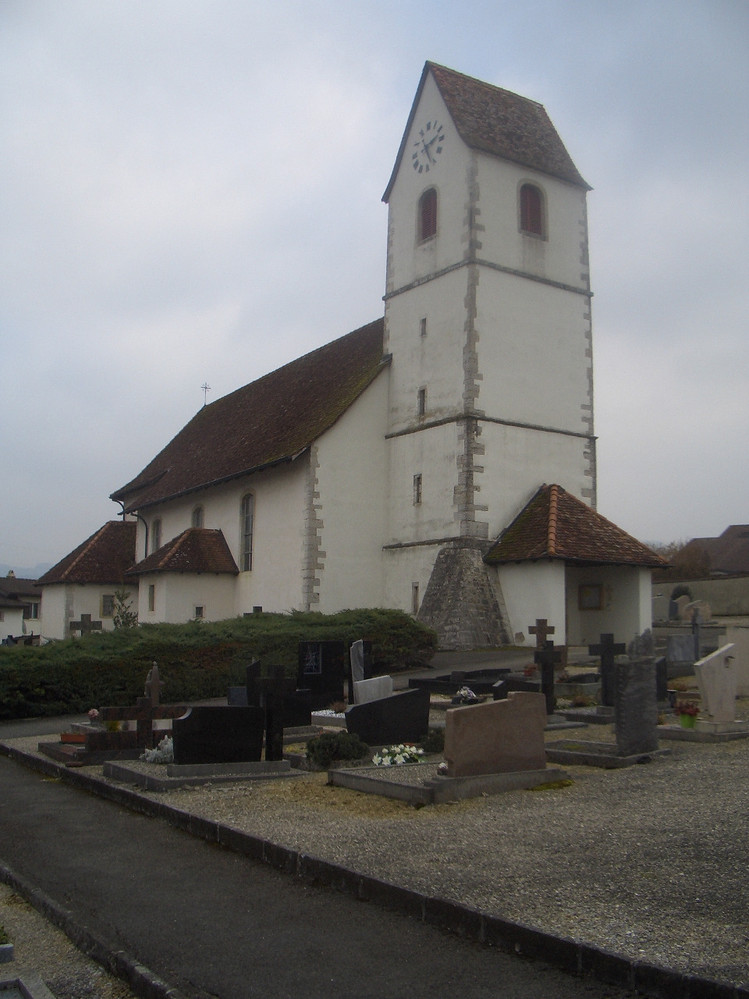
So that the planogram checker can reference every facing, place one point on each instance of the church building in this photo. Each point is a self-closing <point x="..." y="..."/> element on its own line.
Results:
<point x="440" y="460"/>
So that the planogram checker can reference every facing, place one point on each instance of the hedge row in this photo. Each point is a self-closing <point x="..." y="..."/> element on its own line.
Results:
<point x="196" y="661"/>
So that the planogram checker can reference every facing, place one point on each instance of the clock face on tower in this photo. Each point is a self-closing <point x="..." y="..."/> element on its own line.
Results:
<point x="427" y="147"/>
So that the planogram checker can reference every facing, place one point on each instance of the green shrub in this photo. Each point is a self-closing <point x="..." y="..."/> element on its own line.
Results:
<point x="197" y="660"/>
<point x="330" y="746"/>
<point x="434" y="742"/>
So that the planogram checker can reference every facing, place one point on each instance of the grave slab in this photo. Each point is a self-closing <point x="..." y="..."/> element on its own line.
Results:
<point x="502" y="736"/>
<point x="152" y="777"/>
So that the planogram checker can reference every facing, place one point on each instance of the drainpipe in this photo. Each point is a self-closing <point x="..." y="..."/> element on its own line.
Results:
<point x="141" y="519"/>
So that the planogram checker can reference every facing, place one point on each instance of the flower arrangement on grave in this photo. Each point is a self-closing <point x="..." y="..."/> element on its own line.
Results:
<point x="92" y="716"/>
<point x="686" y="708"/>
<point x="394" y="756"/>
<point x="163" y="753"/>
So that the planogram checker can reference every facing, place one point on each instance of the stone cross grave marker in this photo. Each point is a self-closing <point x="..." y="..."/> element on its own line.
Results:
<point x="85" y="625"/>
<point x="636" y="708"/>
<point x="607" y="649"/>
<point x="547" y="657"/>
<point x="541" y="629"/>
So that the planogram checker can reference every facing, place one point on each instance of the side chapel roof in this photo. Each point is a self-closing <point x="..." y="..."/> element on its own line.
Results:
<point x="554" y="524"/>
<point x="498" y="122"/>
<point x="198" y="549"/>
<point x="102" y="558"/>
<point x="269" y="421"/>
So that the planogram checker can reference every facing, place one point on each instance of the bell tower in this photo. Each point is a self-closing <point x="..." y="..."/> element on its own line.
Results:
<point x="487" y="319"/>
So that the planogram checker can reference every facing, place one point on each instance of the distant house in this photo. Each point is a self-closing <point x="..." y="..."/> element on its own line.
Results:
<point x="20" y="603"/>
<point x="78" y="594"/>
<point x="727" y="555"/>
<point x="402" y="465"/>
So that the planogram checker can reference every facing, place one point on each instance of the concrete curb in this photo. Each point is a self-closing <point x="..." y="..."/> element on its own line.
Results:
<point x="580" y="959"/>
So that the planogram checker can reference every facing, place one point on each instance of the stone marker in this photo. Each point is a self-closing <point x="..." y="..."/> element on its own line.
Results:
<point x="211" y="734"/>
<point x="547" y="657"/>
<point x="717" y="682"/>
<point x="636" y="708"/>
<point x="681" y="649"/>
<point x="403" y="717"/>
<point x="321" y="671"/>
<point x="502" y="736"/>
<point x="372" y="690"/>
<point x="607" y="649"/>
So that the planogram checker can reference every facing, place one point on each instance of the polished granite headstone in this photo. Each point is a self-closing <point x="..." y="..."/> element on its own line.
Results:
<point x="404" y="717"/>
<point x="321" y="671"/>
<point x="218" y="734"/>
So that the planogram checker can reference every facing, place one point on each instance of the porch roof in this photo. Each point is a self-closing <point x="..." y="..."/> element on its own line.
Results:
<point x="554" y="524"/>
<point x="198" y="549"/>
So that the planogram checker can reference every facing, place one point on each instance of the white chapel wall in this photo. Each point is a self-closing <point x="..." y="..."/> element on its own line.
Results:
<point x="534" y="590"/>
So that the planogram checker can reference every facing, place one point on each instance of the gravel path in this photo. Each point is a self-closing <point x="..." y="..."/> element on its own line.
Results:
<point x="649" y="862"/>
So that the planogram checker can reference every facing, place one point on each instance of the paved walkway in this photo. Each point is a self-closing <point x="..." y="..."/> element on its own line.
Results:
<point x="182" y="915"/>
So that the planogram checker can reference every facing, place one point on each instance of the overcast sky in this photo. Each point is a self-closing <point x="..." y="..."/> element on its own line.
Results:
<point x="190" y="193"/>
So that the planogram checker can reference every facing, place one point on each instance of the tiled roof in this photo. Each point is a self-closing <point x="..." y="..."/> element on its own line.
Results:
<point x="17" y="587"/>
<point x="198" y="549"/>
<point x="499" y="122"/>
<point x="728" y="554"/>
<point x="103" y="558"/>
<point x="269" y="421"/>
<point x="557" y="525"/>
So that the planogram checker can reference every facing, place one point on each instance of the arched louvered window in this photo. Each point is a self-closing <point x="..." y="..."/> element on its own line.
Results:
<point x="531" y="210"/>
<point x="428" y="214"/>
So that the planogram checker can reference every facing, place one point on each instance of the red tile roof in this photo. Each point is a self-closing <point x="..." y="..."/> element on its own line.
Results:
<point x="557" y="525"/>
<point x="269" y="421"/>
<point x="198" y="549"/>
<point x="728" y="554"/>
<point x="103" y="558"/>
<point x="499" y="122"/>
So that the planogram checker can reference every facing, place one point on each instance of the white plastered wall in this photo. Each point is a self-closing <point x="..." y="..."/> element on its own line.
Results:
<point x="63" y="603"/>
<point x="534" y="590"/>
<point x="626" y="610"/>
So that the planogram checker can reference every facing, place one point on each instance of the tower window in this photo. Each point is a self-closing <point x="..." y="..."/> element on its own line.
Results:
<point x="247" y="523"/>
<point x="421" y="402"/>
<point x="428" y="214"/>
<point x="417" y="489"/>
<point x="531" y="210"/>
<point x="423" y="326"/>
<point x="414" y="598"/>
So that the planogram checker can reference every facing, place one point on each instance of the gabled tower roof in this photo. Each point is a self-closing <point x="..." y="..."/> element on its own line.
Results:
<point x="557" y="525"/>
<point x="498" y="122"/>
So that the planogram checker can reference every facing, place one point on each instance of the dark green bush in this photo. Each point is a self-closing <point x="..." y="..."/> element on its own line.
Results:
<point x="434" y="741"/>
<point x="330" y="746"/>
<point x="196" y="661"/>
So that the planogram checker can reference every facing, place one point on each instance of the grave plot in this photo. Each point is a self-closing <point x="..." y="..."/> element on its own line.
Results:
<point x="714" y="714"/>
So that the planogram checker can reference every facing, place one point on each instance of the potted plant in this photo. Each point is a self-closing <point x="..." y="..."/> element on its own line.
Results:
<point x="687" y="712"/>
<point x="6" y="947"/>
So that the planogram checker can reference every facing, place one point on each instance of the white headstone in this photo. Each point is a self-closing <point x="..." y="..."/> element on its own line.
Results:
<point x="372" y="690"/>
<point x="717" y="680"/>
<point x="356" y="656"/>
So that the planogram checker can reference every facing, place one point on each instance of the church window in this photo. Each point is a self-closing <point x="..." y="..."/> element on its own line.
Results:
<point x="107" y="605"/>
<point x="197" y="516"/>
<point x="155" y="535"/>
<point x="199" y="611"/>
<point x="428" y="214"/>
<point x="423" y="326"/>
<point x="531" y="210"/>
<point x="417" y="489"/>
<point x="152" y="597"/>
<point x="421" y="402"/>
<point x="247" y="525"/>
<point x="414" y="598"/>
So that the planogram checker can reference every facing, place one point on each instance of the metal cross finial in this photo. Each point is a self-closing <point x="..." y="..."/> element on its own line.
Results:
<point x="206" y="389"/>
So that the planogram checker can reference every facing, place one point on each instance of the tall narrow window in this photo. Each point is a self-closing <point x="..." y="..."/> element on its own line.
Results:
<point x="421" y="402"/>
<point x="197" y="516"/>
<point x="414" y="598"/>
<point x="531" y="210"/>
<point x="155" y="535"/>
<point x="423" y="326"/>
<point x="151" y="597"/>
<point x="417" y="489"/>
<point x="247" y="526"/>
<point x="428" y="214"/>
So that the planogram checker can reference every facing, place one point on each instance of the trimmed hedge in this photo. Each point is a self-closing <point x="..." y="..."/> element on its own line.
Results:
<point x="196" y="661"/>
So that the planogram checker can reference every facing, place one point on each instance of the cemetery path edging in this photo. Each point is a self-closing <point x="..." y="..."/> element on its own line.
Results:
<point x="580" y="959"/>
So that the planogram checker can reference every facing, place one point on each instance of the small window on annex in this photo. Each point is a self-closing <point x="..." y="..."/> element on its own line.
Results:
<point x="532" y="210"/>
<point x="197" y="516"/>
<point x="247" y="523"/>
<point x="152" y="597"/>
<point x="107" y="605"/>
<point x="428" y="214"/>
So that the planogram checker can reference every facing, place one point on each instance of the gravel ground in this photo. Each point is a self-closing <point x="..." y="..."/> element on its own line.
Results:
<point x="649" y="862"/>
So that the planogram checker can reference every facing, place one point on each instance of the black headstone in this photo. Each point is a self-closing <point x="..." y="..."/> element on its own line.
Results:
<point x="213" y="734"/>
<point x="403" y="717"/>
<point x="503" y="687"/>
<point x="322" y="672"/>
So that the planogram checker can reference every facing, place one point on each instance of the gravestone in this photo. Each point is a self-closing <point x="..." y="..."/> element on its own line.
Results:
<point x="541" y="629"/>
<point x="681" y="602"/>
<point x="636" y="708"/>
<point x="547" y="657"/>
<point x="509" y="684"/>
<point x="404" y="717"/>
<point x="218" y="734"/>
<point x="85" y="625"/>
<point x="607" y="649"/>
<point x="717" y="681"/>
<point x="642" y="645"/>
<point x="321" y="671"/>
<point x="372" y="690"/>
<point x="504" y="736"/>
<point x="681" y="650"/>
